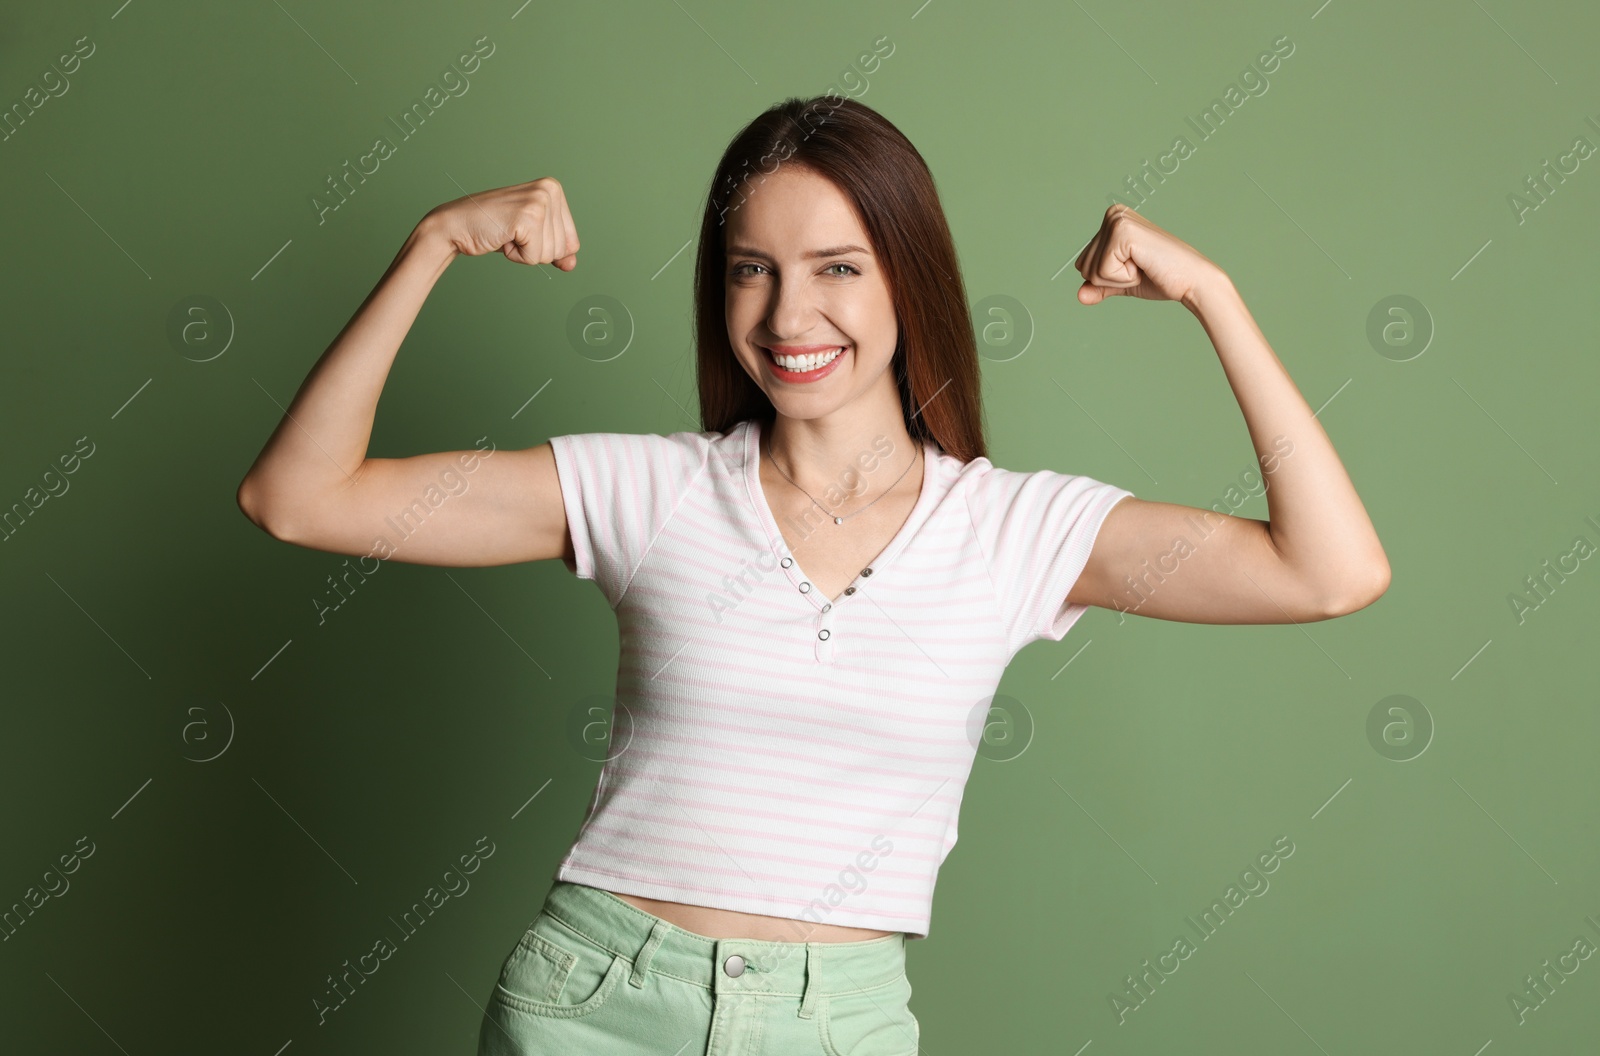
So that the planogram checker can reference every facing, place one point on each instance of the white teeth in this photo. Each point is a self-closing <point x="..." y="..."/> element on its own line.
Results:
<point x="808" y="362"/>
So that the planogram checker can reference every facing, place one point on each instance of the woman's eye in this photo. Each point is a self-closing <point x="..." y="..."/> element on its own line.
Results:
<point x="739" y="272"/>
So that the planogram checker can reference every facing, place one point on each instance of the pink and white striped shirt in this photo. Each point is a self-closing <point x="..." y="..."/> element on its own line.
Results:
<point x="793" y="755"/>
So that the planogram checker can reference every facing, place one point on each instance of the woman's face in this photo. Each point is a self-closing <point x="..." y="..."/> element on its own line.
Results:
<point x="784" y="290"/>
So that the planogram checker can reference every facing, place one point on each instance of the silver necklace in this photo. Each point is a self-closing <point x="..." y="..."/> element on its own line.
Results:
<point x="818" y="505"/>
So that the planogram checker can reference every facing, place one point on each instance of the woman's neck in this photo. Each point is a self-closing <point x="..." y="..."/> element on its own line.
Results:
<point x="818" y="456"/>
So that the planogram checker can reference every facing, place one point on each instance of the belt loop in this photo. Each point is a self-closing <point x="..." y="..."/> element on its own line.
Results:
<point x="809" y="1002"/>
<point x="641" y="960"/>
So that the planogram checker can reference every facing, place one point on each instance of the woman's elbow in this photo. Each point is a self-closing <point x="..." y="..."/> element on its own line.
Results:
<point x="249" y="502"/>
<point x="1374" y="583"/>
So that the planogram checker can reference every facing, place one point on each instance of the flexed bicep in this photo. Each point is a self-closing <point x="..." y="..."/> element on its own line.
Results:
<point x="1175" y="562"/>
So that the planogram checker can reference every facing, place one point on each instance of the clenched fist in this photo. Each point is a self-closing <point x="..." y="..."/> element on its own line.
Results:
<point x="528" y="222"/>
<point x="1132" y="257"/>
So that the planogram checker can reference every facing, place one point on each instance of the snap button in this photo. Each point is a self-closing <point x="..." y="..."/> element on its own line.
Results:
<point x="849" y="590"/>
<point x="823" y="634"/>
<point x="734" y="966"/>
<point x="805" y="587"/>
<point x="828" y="606"/>
<point x="866" y="571"/>
<point x="787" y="562"/>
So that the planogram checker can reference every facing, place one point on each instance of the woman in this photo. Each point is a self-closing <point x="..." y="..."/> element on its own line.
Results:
<point x="816" y="595"/>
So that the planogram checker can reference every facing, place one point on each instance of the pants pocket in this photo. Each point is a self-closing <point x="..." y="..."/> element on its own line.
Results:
<point x="557" y="973"/>
<point x="875" y="1022"/>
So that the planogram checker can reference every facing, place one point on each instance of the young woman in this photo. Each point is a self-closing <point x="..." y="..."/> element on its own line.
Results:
<point x="816" y="595"/>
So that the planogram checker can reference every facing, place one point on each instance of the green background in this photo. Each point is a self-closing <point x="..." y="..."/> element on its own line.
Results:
<point x="150" y="625"/>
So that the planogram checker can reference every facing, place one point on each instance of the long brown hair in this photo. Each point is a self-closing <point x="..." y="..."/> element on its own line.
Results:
<point x="935" y="362"/>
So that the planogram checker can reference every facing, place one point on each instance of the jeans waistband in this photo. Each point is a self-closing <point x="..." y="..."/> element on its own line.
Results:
<point x="806" y="970"/>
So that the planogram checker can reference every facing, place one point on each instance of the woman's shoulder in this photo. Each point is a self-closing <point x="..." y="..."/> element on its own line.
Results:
<point x="679" y="455"/>
<point x="683" y="439"/>
<point x="988" y="485"/>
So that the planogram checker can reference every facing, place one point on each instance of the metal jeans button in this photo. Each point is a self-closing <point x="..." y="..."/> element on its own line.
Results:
<point x="734" y="966"/>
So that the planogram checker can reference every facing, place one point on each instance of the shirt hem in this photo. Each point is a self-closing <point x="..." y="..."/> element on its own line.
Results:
<point x="667" y="891"/>
<point x="1055" y="628"/>
<point x="583" y="564"/>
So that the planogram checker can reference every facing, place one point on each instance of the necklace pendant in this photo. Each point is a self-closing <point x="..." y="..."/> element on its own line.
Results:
<point x="838" y="520"/>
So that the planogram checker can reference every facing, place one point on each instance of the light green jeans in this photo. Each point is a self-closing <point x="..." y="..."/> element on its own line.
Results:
<point x="596" y="976"/>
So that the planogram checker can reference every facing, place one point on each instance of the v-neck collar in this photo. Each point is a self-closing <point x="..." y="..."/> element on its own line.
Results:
<point x="788" y="563"/>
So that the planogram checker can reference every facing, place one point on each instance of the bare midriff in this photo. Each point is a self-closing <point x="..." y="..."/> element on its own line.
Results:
<point x="733" y="924"/>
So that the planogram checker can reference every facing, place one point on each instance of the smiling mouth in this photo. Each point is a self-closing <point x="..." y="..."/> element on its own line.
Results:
<point x="804" y="364"/>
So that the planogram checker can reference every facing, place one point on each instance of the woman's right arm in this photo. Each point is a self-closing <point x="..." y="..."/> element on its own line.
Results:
<point x="313" y="484"/>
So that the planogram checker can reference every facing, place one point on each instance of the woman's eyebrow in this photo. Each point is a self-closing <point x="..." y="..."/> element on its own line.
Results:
<point x="832" y="251"/>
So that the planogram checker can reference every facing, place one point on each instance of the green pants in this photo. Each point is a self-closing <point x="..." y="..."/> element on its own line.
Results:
<point x="597" y="976"/>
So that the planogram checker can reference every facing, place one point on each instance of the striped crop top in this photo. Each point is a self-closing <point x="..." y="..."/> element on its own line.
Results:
<point x="790" y="755"/>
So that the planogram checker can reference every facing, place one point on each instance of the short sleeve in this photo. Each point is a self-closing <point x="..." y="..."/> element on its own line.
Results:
<point x="1037" y="530"/>
<point x="620" y="490"/>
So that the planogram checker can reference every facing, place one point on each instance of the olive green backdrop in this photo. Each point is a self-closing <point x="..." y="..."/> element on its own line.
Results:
<point x="249" y="794"/>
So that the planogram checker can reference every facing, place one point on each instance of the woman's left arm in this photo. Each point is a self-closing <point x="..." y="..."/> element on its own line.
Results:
<point x="1318" y="555"/>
